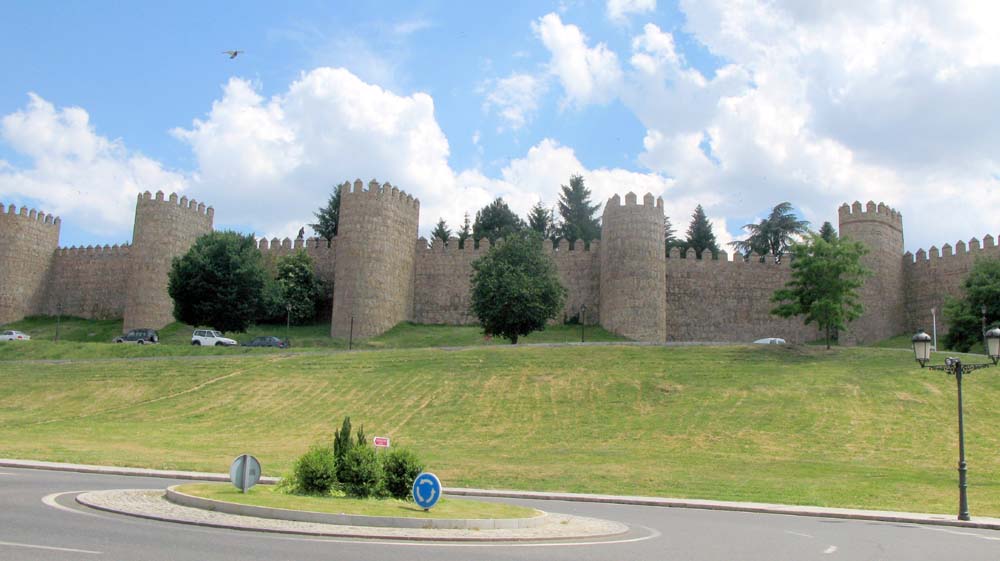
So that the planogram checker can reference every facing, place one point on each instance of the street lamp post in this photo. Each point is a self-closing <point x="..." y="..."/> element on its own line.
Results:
<point x="288" y="322"/>
<point x="583" y="322"/>
<point x="953" y="366"/>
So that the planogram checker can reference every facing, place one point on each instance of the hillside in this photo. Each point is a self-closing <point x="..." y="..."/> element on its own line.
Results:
<point x="848" y="427"/>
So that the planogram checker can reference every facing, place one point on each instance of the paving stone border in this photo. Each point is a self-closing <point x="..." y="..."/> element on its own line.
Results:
<point x="184" y="499"/>
<point x="152" y="504"/>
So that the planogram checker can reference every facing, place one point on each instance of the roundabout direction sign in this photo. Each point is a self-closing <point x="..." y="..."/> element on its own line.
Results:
<point x="426" y="490"/>
<point x="245" y="472"/>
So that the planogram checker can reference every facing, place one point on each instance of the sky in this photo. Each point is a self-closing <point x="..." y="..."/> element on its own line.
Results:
<point x="735" y="105"/>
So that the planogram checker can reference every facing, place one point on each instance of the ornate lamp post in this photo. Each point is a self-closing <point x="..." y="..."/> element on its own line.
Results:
<point x="953" y="366"/>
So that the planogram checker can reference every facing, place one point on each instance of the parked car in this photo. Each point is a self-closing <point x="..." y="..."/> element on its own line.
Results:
<point x="139" y="336"/>
<point x="268" y="341"/>
<point x="14" y="336"/>
<point x="210" y="338"/>
<point x="770" y="341"/>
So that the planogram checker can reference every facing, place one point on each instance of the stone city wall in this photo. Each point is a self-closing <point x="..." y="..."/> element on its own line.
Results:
<point x="88" y="282"/>
<point x="28" y="239"/>
<point x="718" y="300"/>
<point x="442" y="281"/>
<point x="932" y="276"/>
<point x="323" y="254"/>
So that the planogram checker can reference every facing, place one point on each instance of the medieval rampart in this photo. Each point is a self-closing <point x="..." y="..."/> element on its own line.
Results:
<point x="322" y="253"/>
<point x="28" y="239"/>
<point x="932" y="276"/>
<point x="164" y="229"/>
<point x="373" y="281"/>
<point x="728" y="301"/>
<point x="88" y="282"/>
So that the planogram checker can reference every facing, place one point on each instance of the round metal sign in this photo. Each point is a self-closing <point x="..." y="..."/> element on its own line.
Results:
<point x="426" y="490"/>
<point x="245" y="472"/>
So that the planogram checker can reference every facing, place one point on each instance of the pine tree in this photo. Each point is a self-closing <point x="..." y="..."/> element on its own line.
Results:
<point x="827" y="232"/>
<point x="328" y="217"/>
<point x="699" y="234"/>
<point x="578" y="220"/>
<point x="669" y="235"/>
<point x="542" y="221"/>
<point x="772" y="235"/>
<point x="496" y="220"/>
<point x="465" y="233"/>
<point x="441" y="231"/>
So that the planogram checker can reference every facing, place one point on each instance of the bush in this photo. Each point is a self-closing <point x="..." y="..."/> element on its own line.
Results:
<point x="401" y="468"/>
<point x="316" y="471"/>
<point x="361" y="473"/>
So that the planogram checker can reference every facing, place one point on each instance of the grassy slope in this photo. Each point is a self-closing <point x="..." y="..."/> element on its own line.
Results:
<point x="80" y="338"/>
<point x="847" y="427"/>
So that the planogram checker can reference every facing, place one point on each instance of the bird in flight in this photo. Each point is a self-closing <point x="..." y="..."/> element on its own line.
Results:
<point x="232" y="54"/>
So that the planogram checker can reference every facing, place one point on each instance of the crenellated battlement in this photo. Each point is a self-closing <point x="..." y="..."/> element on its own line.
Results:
<point x="182" y="202"/>
<point x="614" y="205"/>
<point x="31" y="215"/>
<point x="870" y="212"/>
<point x="288" y="244"/>
<point x="384" y="191"/>
<point x="961" y="250"/>
<point x="481" y="245"/>
<point x="94" y="250"/>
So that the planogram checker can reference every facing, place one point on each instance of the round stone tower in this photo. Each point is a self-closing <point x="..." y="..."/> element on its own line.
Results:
<point x="880" y="228"/>
<point x="373" y="279"/>
<point x="164" y="229"/>
<point x="634" y="269"/>
<point x="28" y="241"/>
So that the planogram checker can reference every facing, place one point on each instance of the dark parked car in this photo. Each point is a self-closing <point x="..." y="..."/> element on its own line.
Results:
<point x="139" y="336"/>
<point x="267" y="342"/>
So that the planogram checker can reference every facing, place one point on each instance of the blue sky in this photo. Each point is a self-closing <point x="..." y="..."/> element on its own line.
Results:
<point x="736" y="107"/>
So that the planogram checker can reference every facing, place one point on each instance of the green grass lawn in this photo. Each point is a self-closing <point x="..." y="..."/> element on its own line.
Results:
<point x="266" y="495"/>
<point x="850" y="427"/>
<point x="81" y="338"/>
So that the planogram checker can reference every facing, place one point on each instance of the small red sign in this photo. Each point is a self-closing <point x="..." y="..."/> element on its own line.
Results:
<point x="381" y="441"/>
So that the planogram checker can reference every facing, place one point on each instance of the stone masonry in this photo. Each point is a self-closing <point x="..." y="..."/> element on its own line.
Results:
<point x="380" y="274"/>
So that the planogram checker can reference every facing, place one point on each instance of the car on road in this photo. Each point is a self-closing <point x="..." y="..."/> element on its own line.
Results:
<point x="211" y="338"/>
<point x="14" y="336"/>
<point x="139" y="336"/>
<point x="267" y="341"/>
<point x="770" y="341"/>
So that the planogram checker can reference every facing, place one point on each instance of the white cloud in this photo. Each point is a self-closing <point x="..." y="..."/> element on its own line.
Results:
<point x="587" y="74"/>
<point x="515" y="98"/>
<point x="76" y="173"/>
<point x="619" y="10"/>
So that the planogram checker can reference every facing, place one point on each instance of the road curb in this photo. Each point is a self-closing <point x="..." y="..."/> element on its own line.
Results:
<point x="762" y="508"/>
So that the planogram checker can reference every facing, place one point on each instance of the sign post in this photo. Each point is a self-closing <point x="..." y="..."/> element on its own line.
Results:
<point x="381" y="442"/>
<point x="244" y="472"/>
<point x="426" y="490"/>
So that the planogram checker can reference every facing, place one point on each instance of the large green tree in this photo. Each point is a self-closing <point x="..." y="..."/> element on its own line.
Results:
<point x="515" y="288"/>
<point x="219" y="282"/>
<point x="772" y="235"/>
<point x="670" y="235"/>
<point x="700" y="236"/>
<point x="465" y="232"/>
<point x="827" y="232"/>
<point x="579" y="220"/>
<point x="826" y="276"/>
<point x="301" y="290"/>
<point x="964" y="315"/>
<point x="542" y="221"/>
<point x="328" y="217"/>
<point x="496" y="220"/>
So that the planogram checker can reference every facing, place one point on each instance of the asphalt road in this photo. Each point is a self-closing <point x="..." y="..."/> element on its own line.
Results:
<point x="33" y="530"/>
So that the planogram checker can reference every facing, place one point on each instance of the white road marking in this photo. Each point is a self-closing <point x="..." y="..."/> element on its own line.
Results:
<point x="50" y="548"/>
<point x="957" y="533"/>
<point x="830" y="549"/>
<point x="50" y="500"/>
<point x="5" y="473"/>
<point x="797" y="534"/>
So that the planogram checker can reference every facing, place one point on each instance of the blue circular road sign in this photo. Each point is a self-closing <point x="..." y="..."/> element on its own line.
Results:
<point x="426" y="490"/>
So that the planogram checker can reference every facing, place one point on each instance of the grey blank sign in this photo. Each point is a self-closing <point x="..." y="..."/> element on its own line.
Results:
<point x="245" y="472"/>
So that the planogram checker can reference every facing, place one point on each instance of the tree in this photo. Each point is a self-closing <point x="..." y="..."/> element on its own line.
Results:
<point x="699" y="234"/>
<point x="772" y="235"/>
<point x="827" y="232"/>
<point x="981" y="288"/>
<point x="299" y="287"/>
<point x="578" y="220"/>
<point x="515" y="288"/>
<point x="328" y="217"/>
<point x="465" y="233"/>
<point x="825" y="279"/>
<point x="218" y="282"/>
<point x="342" y="440"/>
<point x="441" y="231"/>
<point x="669" y="235"/>
<point x="496" y="220"/>
<point x="542" y="220"/>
